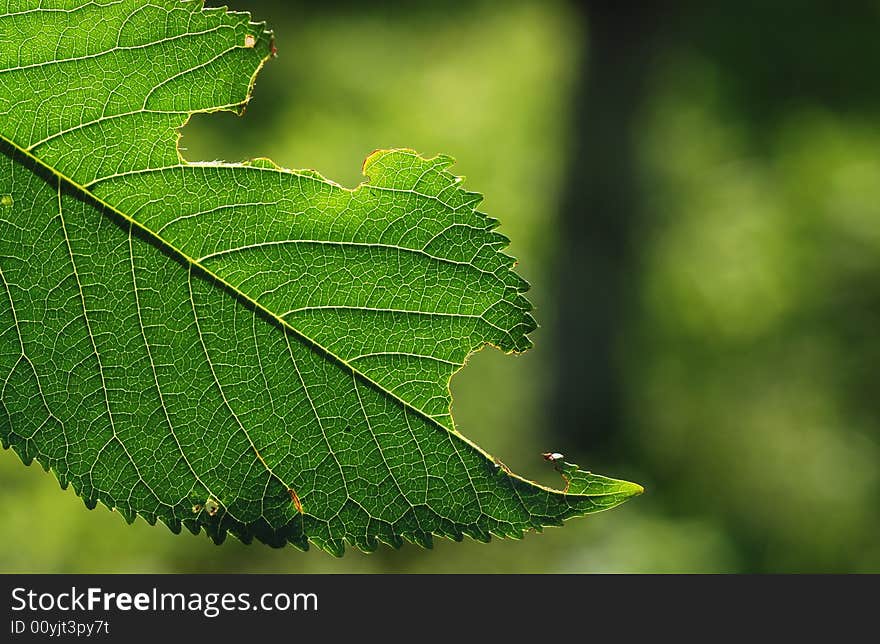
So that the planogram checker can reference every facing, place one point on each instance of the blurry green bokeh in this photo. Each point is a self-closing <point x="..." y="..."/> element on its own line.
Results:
<point x="751" y="354"/>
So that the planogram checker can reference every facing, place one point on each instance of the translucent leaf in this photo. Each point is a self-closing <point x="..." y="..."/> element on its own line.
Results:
<point x="238" y="347"/>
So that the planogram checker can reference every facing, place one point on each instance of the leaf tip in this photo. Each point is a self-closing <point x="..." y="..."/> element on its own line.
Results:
<point x="580" y="482"/>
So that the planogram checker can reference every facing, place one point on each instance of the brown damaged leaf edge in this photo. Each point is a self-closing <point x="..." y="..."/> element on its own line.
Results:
<point x="296" y="502"/>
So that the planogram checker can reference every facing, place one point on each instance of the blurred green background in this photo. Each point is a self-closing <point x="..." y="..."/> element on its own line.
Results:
<point x="694" y="194"/>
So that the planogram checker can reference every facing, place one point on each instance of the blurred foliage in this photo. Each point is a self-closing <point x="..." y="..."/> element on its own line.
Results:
<point x="749" y="354"/>
<point x="756" y="347"/>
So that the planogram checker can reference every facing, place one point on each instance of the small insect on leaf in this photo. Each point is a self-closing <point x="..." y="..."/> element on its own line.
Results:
<point x="249" y="41"/>
<point x="500" y="465"/>
<point x="552" y="456"/>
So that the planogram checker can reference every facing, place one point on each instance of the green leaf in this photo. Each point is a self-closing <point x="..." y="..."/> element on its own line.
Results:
<point x="238" y="348"/>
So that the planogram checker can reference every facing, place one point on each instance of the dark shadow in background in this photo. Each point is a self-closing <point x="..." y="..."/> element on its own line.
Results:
<point x="599" y="211"/>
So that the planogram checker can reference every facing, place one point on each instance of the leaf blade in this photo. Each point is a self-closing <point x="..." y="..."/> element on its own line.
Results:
<point x="192" y="359"/>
